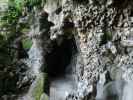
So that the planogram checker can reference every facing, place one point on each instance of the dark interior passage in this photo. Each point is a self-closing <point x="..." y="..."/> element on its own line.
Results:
<point x="60" y="56"/>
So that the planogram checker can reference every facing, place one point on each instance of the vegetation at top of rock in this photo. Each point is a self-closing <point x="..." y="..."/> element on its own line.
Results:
<point x="15" y="21"/>
<point x="16" y="18"/>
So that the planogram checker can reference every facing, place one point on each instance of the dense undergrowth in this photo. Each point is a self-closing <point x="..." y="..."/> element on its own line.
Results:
<point x="16" y="18"/>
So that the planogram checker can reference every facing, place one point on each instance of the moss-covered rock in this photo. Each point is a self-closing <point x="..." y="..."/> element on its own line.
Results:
<point x="37" y="88"/>
<point x="44" y="97"/>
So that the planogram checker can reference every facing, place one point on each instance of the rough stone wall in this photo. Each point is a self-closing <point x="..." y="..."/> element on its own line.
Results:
<point x="103" y="31"/>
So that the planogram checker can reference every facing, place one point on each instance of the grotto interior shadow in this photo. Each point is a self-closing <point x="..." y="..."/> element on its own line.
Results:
<point x="59" y="58"/>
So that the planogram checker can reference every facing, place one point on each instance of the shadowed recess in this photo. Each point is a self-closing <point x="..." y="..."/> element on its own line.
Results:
<point x="60" y="56"/>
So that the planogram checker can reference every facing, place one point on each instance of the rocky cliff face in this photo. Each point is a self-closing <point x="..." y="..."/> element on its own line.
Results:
<point x="103" y="34"/>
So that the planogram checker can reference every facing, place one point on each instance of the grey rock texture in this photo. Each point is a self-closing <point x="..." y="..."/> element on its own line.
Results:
<point x="103" y="30"/>
<point x="104" y="39"/>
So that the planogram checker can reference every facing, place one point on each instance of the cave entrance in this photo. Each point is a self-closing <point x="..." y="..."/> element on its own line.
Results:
<point x="58" y="60"/>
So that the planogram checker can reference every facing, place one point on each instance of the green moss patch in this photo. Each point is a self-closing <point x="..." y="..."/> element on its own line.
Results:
<point x="27" y="43"/>
<point x="39" y="86"/>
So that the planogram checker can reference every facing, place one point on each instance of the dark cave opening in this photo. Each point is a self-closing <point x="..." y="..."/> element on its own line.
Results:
<point x="60" y="56"/>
